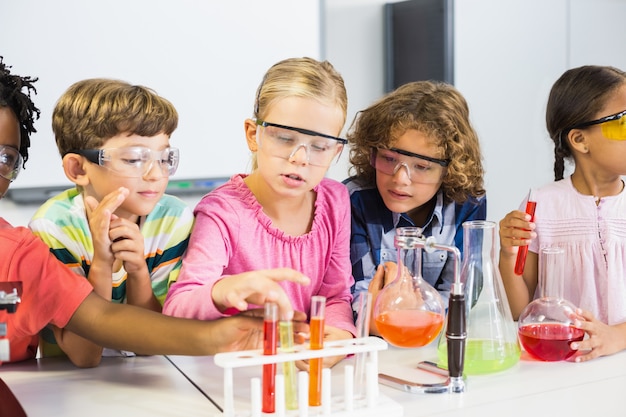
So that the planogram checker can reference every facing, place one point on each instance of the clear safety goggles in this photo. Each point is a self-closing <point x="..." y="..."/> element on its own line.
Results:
<point x="419" y="168"/>
<point x="284" y="141"/>
<point x="133" y="161"/>
<point x="10" y="162"/>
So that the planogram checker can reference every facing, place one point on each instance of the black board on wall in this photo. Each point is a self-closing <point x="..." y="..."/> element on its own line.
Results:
<point x="419" y="42"/>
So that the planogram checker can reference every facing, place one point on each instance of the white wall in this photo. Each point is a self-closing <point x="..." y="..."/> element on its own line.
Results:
<point x="206" y="57"/>
<point x="508" y="53"/>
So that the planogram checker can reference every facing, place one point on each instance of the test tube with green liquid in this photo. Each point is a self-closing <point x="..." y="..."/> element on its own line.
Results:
<point x="285" y="331"/>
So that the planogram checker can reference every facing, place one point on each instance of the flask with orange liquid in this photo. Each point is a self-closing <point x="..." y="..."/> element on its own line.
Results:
<point x="409" y="312"/>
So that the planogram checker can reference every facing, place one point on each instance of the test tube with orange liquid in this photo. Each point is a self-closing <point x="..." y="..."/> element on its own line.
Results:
<point x="270" y="330"/>
<point x="522" y="252"/>
<point x="316" y="327"/>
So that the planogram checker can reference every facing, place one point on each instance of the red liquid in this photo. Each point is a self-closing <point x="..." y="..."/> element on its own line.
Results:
<point x="409" y="328"/>
<point x="549" y="342"/>
<point x="523" y="250"/>
<point x="316" y="326"/>
<point x="269" y="370"/>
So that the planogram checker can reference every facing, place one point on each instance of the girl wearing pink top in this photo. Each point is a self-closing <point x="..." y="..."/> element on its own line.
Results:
<point x="585" y="213"/>
<point x="284" y="215"/>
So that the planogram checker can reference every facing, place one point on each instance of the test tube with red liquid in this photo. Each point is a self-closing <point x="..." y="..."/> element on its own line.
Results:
<point x="520" y="262"/>
<point x="316" y="327"/>
<point x="270" y="331"/>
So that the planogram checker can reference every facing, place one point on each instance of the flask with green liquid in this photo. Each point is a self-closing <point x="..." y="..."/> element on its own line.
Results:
<point x="492" y="343"/>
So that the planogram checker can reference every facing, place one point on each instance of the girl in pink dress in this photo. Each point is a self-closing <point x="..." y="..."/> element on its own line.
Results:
<point x="284" y="217"/>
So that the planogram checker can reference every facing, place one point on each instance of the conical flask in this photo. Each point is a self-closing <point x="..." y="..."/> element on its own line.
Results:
<point x="492" y="343"/>
<point x="546" y="325"/>
<point x="409" y="312"/>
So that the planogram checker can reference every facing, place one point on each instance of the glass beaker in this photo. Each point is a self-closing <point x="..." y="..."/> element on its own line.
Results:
<point x="409" y="312"/>
<point x="546" y="325"/>
<point x="492" y="343"/>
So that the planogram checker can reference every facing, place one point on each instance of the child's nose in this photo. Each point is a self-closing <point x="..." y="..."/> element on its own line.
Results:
<point x="398" y="169"/>
<point x="154" y="170"/>
<point x="300" y="157"/>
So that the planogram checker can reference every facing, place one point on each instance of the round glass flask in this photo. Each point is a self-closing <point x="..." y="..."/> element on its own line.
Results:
<point x="546" y="325"/>
<point x="409" y="312"/>
<point x="491" y="343"/>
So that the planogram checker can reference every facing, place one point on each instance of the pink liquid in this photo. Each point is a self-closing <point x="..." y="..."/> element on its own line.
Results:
<point x="549" y="342"/>
<point x="409" y="328"/>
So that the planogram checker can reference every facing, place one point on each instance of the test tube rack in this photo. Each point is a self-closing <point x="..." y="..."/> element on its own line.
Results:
<point x="373" y="403"/>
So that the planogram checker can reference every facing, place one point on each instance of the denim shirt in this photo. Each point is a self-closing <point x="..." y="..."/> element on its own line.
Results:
<point x="373" y="232"/>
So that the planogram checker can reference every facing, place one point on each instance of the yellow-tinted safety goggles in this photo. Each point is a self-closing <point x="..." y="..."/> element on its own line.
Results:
<point x="613" y="126"/>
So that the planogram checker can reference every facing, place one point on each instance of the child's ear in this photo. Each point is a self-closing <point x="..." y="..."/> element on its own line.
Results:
<point x="74" y="170"/>
<point x="250" y="128"/>
<point x="578" y="140"/>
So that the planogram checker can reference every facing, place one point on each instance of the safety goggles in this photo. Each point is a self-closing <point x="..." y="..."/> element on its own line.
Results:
<point x="10" y="162"/>
<point x="419" y="168"/>
<point x="613" y="126"/>
<point x="284" y="141"/>
<point x="133" y="161"/>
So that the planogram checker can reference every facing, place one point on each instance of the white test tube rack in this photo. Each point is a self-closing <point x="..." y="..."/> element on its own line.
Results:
<point x="373" y="404"/>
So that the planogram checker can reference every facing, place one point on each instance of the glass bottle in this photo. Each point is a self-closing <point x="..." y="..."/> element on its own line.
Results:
<point x="409" y="312"/>
<point x="546" y="326"/>
<point x="492" y="343"/>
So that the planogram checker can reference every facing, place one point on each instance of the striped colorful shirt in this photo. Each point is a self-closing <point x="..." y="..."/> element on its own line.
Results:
<point x="62" y="224"/>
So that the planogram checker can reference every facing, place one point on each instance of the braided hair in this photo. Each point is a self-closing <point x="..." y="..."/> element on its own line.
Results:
<point x="577" y="97"/>
<point x="12" y="96"/>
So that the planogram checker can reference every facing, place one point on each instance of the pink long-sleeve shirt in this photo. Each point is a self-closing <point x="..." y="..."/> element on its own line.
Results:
<point x="233" y="235"/>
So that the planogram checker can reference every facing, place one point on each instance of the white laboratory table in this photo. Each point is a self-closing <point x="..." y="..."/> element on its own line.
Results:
<point x="530" y="388"/>
<point x="153" y="386"/>
<point x="135" y="386"/>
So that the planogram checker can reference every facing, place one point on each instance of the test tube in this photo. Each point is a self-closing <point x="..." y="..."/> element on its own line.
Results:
<point x="316" y="326"/>
<point x="362" y="330"/>
<point x="270" y="321"/>
<point x="520" y="262"/>
<point x="285" y="331"/>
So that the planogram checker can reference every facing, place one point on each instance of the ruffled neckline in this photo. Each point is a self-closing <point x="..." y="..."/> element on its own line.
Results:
<point x="250" y="200"/>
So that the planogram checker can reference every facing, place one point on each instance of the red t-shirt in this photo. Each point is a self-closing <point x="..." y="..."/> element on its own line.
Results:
<point x="51" y="293"/>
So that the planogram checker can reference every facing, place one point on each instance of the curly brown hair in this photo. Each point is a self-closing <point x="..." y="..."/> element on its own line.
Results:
<point x="435" y="109"/>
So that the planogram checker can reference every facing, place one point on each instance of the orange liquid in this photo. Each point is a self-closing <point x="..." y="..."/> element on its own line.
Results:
<point x="316" y="326"/>
<point x="409" y="328"/>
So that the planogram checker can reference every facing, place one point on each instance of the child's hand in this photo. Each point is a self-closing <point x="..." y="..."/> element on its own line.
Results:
<point x="257" y="287"/>
<point x="516" y="229"/>
<point x="333" y="333"/>
<point x="100" y="215"/>
<point x="128" y="245"/>
<point x="603" y="339"/>
<point x="330" y="333"/>
<point x="384" y="275"/>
